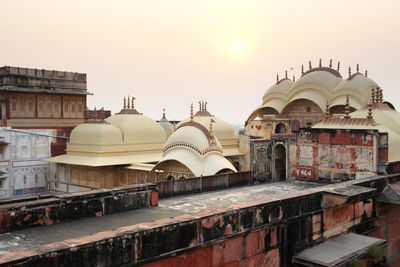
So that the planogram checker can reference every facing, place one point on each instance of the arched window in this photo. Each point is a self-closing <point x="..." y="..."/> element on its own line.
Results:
<point x="280" y="128"/>
<point x="171" y="178"/>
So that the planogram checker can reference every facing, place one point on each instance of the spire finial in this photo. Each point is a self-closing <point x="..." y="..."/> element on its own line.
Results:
<point x="349" y="72"/>
<point x="380" y="95"/>
<point x="163" y="114"/>
<point x="302" y="69"/>
<point x="205" y="105"/>
<point x="338" y="66"/>
<point x="174" y="125"/>
<point x="285" y="74"/>
<point x="358" y="67"/>
<point x="133" y="102"/>
<point x="366" y="73"/>
<point x="277" y="78"/>
<point x="211" y="126"/>
<point x="327" y="112"/>
<point x="294" y="78"/>
<point x="129" y="103"/>
<point x="309" y="64"/>
<point x="103" y="114"/>
<point x="369" y="111"/>
<point x="124" y="102"/>
<point x="320" y="62"/>
<point x="200" y="105"/>
<point x="347" y="108"/>
<point x="330" y="63"/>
<point x="373" y="94"/>
<point x="191" y="112"/>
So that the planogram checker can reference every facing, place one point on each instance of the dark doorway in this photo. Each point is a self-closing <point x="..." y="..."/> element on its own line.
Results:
<point x="280" y="163"/>
<point x="280" y="128"/>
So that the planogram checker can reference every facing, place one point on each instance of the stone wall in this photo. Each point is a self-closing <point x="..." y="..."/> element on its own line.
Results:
<point x="40" y="211"/>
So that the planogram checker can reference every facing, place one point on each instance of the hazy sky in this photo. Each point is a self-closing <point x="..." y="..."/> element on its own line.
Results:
<point x="169" y="53"/>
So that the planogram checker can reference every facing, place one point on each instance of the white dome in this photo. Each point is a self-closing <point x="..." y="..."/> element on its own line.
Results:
<point x="96" y="134"/>
<point x="138" y="129"/>
<point x="280" y="89"/>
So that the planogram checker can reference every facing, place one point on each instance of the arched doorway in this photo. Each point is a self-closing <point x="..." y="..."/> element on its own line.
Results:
<point x="280" y="163"/>
<point x="280" y="128"/>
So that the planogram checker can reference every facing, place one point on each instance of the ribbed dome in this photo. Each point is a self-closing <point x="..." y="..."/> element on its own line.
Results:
<point x="96" y="134"/>
<point x="280" y="88"/>
<point x="357" y="85"/>
<point x="221" y="129"/>
<point x="138" y="129"/>
<point x="194" y="136"/>
<point x="193" y="146"/>
<point x="319" y="79"/>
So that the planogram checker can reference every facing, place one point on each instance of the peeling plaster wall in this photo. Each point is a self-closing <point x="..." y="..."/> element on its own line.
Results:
<point x="335" y="156"/>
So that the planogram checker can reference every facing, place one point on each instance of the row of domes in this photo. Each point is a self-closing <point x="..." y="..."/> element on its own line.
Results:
<point x="321" y="85"/>
<point x="133" y="131"/>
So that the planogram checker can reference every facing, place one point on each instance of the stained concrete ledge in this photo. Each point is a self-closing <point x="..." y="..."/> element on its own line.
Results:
<point x="176" y="225"/>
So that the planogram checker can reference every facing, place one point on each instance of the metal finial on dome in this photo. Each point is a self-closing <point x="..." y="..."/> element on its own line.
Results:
<point x="191" y="112"/>
<point x="358" y="67"/>
<point x="366" y="73"/>
<point x="380" y="95"/>
<point x="103" y="114"/>
<point x="330" y="63"/>
<point x="338" y="66"/>
<point x="205" y="105"/>
<point x="294" y="78"/>
<point x="320" y="62"/>
<point x="163" y="114"/>
<point x="309" y="64"/>
<point x="302" y="69"/>
<point x="347" y="108"/>
<point x="200" y="105"/>
<point x="129" y="103"/>
<point x="211" y="126"/>
<point x="369" y="111"/>
<point x="285" y="74"/>
<point x="277" y="77"/>
<point x="174" y="125"/>
<point x="373" y="94"/>
<point x="124" y="102"/>
<point x="349" y="72"/>
<point x="327" y="112"/>
<point x="133" y="102"/>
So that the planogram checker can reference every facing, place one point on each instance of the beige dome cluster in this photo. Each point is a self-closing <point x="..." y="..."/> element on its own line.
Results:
<point x="321" y="85"/>
<point x="123" y="138"/>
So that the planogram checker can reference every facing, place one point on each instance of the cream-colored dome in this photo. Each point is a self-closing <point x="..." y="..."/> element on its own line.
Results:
<point x="193" y="146"/>
<point x="96" y="134"/>
<point x="278" y="90"/>
<point x="357" y="86"/>
<point x="195" y="136"/>
<point x="320" y="85"/>
<point x="322" y="80"/>
<point x="138" y="129"/>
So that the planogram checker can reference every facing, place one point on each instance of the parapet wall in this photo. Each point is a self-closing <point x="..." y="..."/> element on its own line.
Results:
<point x="172" y="188"/>
<point x="30" y="212"/>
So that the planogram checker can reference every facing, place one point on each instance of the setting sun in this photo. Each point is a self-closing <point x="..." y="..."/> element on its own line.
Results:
<point x="237" y="48"/>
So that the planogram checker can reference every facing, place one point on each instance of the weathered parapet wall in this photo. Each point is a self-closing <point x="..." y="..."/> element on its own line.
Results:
<point x="31" y="212"/>
<point x="267" y="232"/>
<point x="172" y="188"/>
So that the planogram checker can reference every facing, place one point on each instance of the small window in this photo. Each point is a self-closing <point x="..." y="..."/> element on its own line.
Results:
<point x="308" y="109"/>
<point x="308" y="124"/>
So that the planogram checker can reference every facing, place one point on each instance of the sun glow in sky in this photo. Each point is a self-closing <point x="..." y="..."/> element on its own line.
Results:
<point x="168" y="54"/>
<point x="237" y="48"/>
